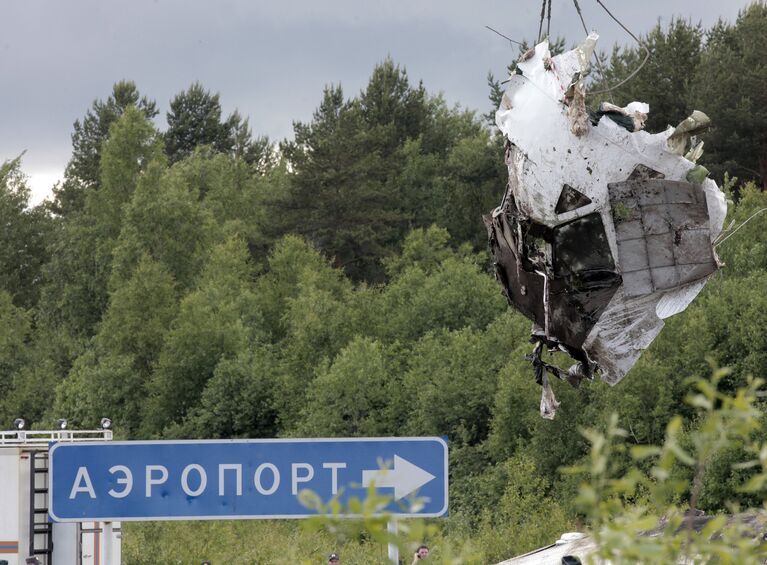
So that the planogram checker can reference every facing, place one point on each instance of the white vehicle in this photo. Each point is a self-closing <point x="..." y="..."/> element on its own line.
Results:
<point x="25" y="526"/>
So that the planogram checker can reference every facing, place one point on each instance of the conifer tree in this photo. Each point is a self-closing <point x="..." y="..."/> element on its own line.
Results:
<point x="731" y="87"/>
<point x="195" y="119"/>
<point x="83" y="173"/>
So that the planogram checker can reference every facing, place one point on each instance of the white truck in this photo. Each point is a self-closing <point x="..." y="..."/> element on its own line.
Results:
<point x="26" y="529"/>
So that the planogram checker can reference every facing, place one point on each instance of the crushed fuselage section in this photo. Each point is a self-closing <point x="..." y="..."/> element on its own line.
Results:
<point x="604" y="229"/>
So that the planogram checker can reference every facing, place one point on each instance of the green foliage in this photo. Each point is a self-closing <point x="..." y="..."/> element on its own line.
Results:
<point x="83" y="173"/>
<point x="364" y="171"/>
<point x="423" y="248"/>
<point x="133" y="144"/>
<point x="451" y="383"/>
<point x="75" y="294"/>
<point x="267" y="542"/>
<point x="731" y="85"/>
<point x="139" y="315"/>
<point x="255" y="542"/>
<point x="524" y="517"/>
<point x="14" y="331"/>
<point x="746" y="251"/>
<point x="337" y="196"/>
<point x="354" y="396"/>
<point x="216" y="321"/>
<point x="111" y="378"/>
<point x="24" y="233"/>
<point x="513" y="424"/>
<point x="625" y="506"/>
<point x="99" y="386"/>
<point x="374" y="525"/>
<point x="226" y="187"/>
<point x="194" y="119"/>
<point x="313" y="320"/>
<point x="474" y="180"/>
<point x="290" y="258"/>
<point x="165" y="221"/>
<point x="391" y="107"/>
<point x="238" y="401"/>
<point x="457" y="294"/>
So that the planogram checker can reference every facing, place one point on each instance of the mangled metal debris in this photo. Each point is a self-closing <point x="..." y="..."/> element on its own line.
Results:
<point x="605" y="229"/>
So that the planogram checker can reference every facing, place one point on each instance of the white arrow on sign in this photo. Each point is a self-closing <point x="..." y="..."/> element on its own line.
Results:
<point x="404" y="477"/>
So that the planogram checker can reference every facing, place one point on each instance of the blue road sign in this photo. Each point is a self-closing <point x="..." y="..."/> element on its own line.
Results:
<point x="199" y="480"/>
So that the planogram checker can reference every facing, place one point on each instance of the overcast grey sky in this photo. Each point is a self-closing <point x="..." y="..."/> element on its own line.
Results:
<point x="269" y="59"/>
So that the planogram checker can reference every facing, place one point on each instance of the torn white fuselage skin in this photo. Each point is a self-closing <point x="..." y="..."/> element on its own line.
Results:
<point x="600" y="234"/>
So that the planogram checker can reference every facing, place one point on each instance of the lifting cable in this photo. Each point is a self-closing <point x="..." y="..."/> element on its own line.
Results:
<point x="540" y="23"/>
<point x="548" y="24"/>
<point x="730" y="232"/>
<point x="505" y="37"/>
<point x="546" y="14"/>
<point x="635" y="38"/>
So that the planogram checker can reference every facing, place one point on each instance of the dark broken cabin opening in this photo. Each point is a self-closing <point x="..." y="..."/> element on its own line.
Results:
<point x="561" y="278"/>
<point x="570" y="199"/>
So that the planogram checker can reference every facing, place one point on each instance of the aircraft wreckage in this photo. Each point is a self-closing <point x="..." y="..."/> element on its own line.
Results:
<point x="605" y="229"/>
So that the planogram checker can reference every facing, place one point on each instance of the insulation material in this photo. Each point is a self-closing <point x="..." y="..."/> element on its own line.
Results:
<point x="605" y="229"/>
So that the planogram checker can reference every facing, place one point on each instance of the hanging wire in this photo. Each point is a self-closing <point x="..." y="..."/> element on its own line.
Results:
<point x="642" y="45"/>
<point x="540" y="23"/>
<point x="507" y="38"/>
<point x="544" y="12"/>
<point x="596" y="55"/>
<point x="752" y="216"/>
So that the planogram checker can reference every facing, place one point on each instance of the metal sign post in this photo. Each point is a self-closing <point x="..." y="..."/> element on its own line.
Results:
<point x="393" y="549"/>
<point x="107" y="537"/>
